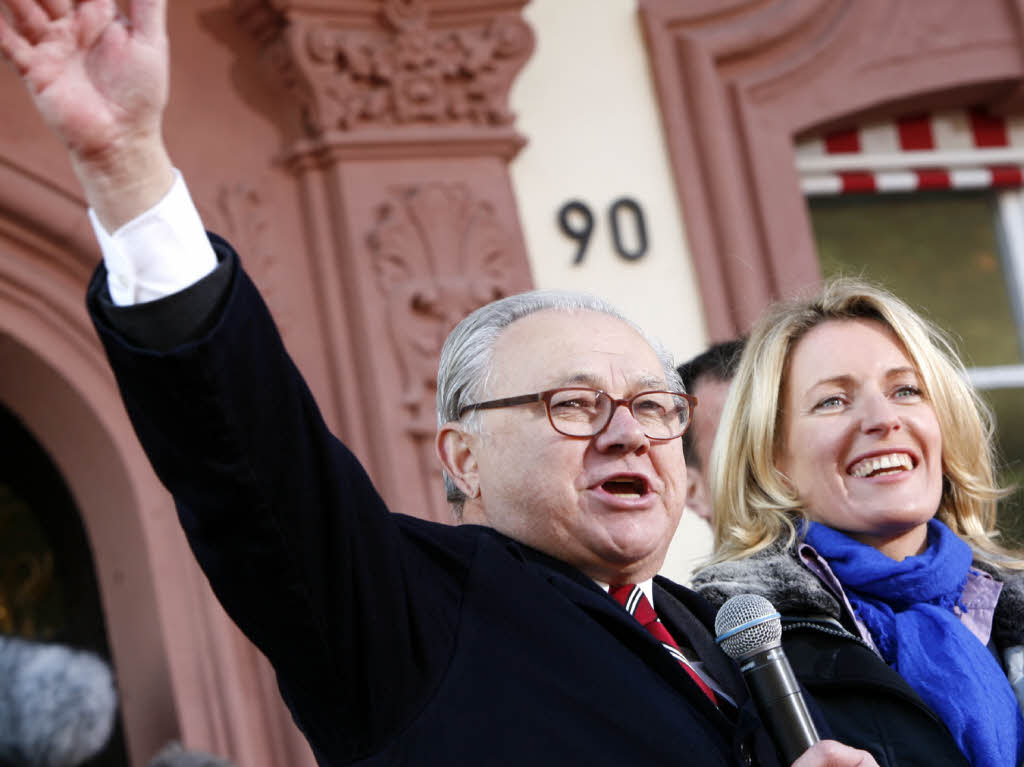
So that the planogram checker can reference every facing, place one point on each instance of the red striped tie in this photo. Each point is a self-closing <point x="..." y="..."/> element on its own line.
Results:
<point x="635" y="601"/>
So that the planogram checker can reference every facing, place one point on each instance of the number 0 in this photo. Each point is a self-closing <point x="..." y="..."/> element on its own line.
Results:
<point x="615" y="213"/>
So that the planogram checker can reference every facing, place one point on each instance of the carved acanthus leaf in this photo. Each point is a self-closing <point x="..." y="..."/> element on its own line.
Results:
<point x="238" y="213"/>
<point x="438" y="253"/>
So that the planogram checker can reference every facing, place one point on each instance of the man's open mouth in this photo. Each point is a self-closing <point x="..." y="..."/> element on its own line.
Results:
<point x="625" y="487"/>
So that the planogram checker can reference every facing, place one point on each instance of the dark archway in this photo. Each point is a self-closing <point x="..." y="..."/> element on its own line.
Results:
<point x="48" y="586"/>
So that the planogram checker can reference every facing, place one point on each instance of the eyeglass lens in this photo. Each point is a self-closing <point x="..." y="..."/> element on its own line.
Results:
<point x="585" y="412"/>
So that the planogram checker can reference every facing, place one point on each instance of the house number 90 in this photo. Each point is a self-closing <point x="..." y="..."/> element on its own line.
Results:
<point x="576" y="221"/>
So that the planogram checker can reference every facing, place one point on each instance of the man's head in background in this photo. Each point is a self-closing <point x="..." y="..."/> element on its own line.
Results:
<point x="707" y="376"/>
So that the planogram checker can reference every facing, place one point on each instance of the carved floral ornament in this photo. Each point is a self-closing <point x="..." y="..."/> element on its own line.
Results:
<point x="438" y="254"/>
<point x="238" y="211"/>
<point x="398" y="71"/>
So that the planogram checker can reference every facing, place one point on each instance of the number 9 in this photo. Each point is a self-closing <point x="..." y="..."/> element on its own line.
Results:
<point x="572" y="213"/>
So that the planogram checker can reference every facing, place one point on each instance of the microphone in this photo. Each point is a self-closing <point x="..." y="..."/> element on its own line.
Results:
<point x="749" y="630"/>
<point x="58" y="706"/>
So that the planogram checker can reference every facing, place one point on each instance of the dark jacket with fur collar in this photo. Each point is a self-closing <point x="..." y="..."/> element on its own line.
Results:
<point x="868" y="705"/>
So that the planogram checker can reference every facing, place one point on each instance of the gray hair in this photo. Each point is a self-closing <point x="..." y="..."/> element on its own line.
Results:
<point x="465" y="366"/>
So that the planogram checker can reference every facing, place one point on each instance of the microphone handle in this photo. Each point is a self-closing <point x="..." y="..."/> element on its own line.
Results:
<point x="776" y="692"/>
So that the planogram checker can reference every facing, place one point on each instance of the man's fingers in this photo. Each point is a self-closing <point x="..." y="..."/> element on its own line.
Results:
<point x="28" y="18"/>
<point x="57" y="8"/>
<point x="149" y="18"/>
<point x="13" y="46"/>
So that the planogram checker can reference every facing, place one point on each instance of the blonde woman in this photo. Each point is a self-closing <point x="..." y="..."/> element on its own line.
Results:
<point x="852" y="479"/>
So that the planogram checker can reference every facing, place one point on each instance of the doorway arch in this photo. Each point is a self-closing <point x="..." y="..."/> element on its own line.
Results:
<point x="57" y="388"/>
<point x="48" y="587"/>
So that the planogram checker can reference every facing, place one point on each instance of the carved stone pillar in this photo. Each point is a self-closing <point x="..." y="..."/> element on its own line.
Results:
<point x="401" y="139"/>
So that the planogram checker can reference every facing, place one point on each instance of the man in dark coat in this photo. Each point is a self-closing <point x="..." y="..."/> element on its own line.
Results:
<point x="395" y="640"/>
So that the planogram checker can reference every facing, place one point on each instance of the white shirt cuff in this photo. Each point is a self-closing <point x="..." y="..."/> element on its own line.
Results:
<point x="159" y="252"/>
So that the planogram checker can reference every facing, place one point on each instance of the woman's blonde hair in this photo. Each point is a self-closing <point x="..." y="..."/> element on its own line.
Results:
<point x="755" y="506"/>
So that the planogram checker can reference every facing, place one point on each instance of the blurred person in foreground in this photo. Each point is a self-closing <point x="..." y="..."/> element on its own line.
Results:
<point x="707" y="377"/>
<point x="514" y="637"/>
<point x="853" y="487"/>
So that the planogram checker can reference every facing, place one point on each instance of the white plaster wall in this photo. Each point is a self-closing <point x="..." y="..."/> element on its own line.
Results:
<point x="586" y="104"/>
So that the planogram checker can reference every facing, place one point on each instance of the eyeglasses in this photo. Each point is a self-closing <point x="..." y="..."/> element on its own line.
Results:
<point x="581" y="412"/>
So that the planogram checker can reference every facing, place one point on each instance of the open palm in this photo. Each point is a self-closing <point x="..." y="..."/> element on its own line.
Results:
<point x="98" y="79"/>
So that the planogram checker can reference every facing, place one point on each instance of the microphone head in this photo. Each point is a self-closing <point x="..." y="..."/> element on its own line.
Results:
<point x="58" y="706"/>
<point x="746" y="624"/>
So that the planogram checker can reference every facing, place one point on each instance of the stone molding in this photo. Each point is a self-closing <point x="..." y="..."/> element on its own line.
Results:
<point x="738" y="81"/>
<point x="402" y="135"/>
<point x="240" y="212"/>
<point x="439" y="253"/>
<point x="386" y="68"/>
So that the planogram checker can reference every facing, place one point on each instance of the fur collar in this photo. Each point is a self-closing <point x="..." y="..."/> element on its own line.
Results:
<point x="777" y="574"/>
<point x="774" y="573"/>
<point x="1008" y="624"/>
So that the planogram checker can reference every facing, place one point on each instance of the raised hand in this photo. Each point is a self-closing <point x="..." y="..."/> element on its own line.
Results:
<point x="100" y="81"/>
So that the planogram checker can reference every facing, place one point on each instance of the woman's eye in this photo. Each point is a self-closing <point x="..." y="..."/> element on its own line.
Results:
<point x="829" y="403"/>
<point x="908" y="390"/>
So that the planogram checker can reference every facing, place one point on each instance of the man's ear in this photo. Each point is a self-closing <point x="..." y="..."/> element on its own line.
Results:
<point x="454" y="447"/>
<point x="697" y="496"/>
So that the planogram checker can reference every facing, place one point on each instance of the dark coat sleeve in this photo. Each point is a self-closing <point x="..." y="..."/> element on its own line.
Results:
<point x="355" y="607"/>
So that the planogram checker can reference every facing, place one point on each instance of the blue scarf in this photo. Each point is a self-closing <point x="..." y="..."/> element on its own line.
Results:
<point x="908" y="607"/>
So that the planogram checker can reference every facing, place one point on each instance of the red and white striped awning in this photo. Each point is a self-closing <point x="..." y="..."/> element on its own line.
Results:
<point x="964" y="149"/>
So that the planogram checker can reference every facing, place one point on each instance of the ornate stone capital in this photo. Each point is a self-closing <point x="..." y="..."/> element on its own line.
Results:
<point x="393" y="66"/>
